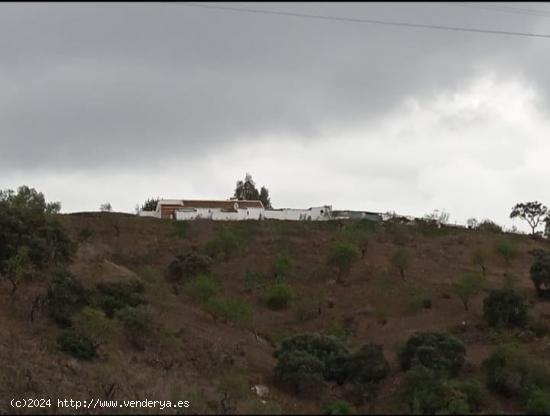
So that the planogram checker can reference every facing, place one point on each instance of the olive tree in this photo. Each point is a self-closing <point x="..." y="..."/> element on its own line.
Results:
<point x="468" y="286"/>
<point x="343" y="256"/>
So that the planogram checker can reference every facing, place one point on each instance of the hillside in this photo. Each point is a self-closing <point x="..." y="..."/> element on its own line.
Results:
<point x="187" y="354"/>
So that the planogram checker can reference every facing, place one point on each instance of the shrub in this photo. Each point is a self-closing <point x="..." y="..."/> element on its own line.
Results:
<point x="93" y="324"/>
<point x="427" y="391"/>
<point x="434" y="350"/>
<point x="489" y="226"/>
<point x="505" y="308"/>
<point x="401" y="260"/>
<point x="180" y="229"/>
<point x="300" y="369"/>
<point x="66" y="295"/>
<point x="135" y="320"/>
<point x="222" y="245"/>
<point x="507" y="251"/>
<point x="474" y="391"/>
<point x="281" y="266"/>
<point x="368" y="365"/>
<point x="426" y="303"/>
<point x="343" y="256"/>
<point x="513" y="373"/>
<point x="321" y="346"/>
<point x="188" y="265"/>
<point x="31" y="240"/>
<point x="329" y="350"/>
<point x="538" y="403"/>
<point x="339" y="407"/>
<point x="469" y="285"/>
<point x="430" y="392"/>
<point x="116" y="295"/>
<point x="203" y="287"/>
<point x="236" y="311"/>
<point x="278" y="296"/>
<point x="77" y="345"/>
<point x="540" y="273"/>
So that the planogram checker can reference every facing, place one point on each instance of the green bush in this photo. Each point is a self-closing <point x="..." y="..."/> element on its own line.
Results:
<point x="66" y="296"/>
<point x="93" y="324"/>
<point x="31" y="240"/>
<point x="489" y="226"/>
<point x="329" y="350"/>
<point x="343" y="256"/>
<point x="427" y="391"/>
<point x="430" y="391"/>
<point x="278" y="296"/>
<point x="365" y="366"/>
<point x="426" y="303"/>
<point x="368" y="365"/>
<point x="116" y="295"/>
<point x="506" y="250"/>
<point x="299" y="369"/>
<point x="321" y="346"/>
<point x="474" y="391"/>
<point x="136" y="320"/>
<point x="235" y="311"/>
<point x="540" y="273"/>
<point x="515" y="374"/>
<point x="538" y="402"/>
<point x="223" y="245"/>
<point x="77" y="345"/>
<point x="203" y="287"/>
<point x="281" y="266"/>
<point x="434" y="350"/>
<point x="339" y="407"/>
<point x="505" y="308"/>
<point x="188" y="265"/>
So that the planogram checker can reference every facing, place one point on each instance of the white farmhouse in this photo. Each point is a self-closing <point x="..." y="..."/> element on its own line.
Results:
<point x="232" y="210"/>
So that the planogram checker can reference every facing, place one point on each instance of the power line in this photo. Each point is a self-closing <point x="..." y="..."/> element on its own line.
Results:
<point x="505" y="9"/>
<point x="368" y="21"/>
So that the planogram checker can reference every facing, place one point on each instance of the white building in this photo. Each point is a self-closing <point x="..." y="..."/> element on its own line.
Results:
<point x="232" y="210"/>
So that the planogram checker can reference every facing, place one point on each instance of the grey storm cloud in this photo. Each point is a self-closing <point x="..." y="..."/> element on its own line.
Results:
<point x="120" y="85"/>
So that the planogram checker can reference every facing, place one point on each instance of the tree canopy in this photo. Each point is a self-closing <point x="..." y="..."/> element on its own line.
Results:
<point x="532" y="212"/>
<point x="246" y="190"/>
<point x="30" y="238"/>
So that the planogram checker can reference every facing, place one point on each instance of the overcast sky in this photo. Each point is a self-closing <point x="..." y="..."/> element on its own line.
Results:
<point x="120" y="102"/>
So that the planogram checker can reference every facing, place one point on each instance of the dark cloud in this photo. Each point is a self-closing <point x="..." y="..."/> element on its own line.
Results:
<point x="101" y="85"/>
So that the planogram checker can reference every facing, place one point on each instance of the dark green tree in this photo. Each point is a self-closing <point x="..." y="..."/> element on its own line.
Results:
<point x="300" y="369"/>
<point x="505" y="308"/>
<point x="343" y="256"/>
<point x="246" y="190"/>
<point x="435" y="350"/>
<point x="150" y="204"/>
<point x="30" y="239"/>
<point x="264" y="197"/>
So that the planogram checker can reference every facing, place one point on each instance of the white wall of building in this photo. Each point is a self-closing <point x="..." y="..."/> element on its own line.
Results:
<point x="216" y="214"/>
<point x="153" y="214"/>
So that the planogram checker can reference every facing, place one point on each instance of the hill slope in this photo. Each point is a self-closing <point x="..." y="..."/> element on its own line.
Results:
<point x="189" y="355"/>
